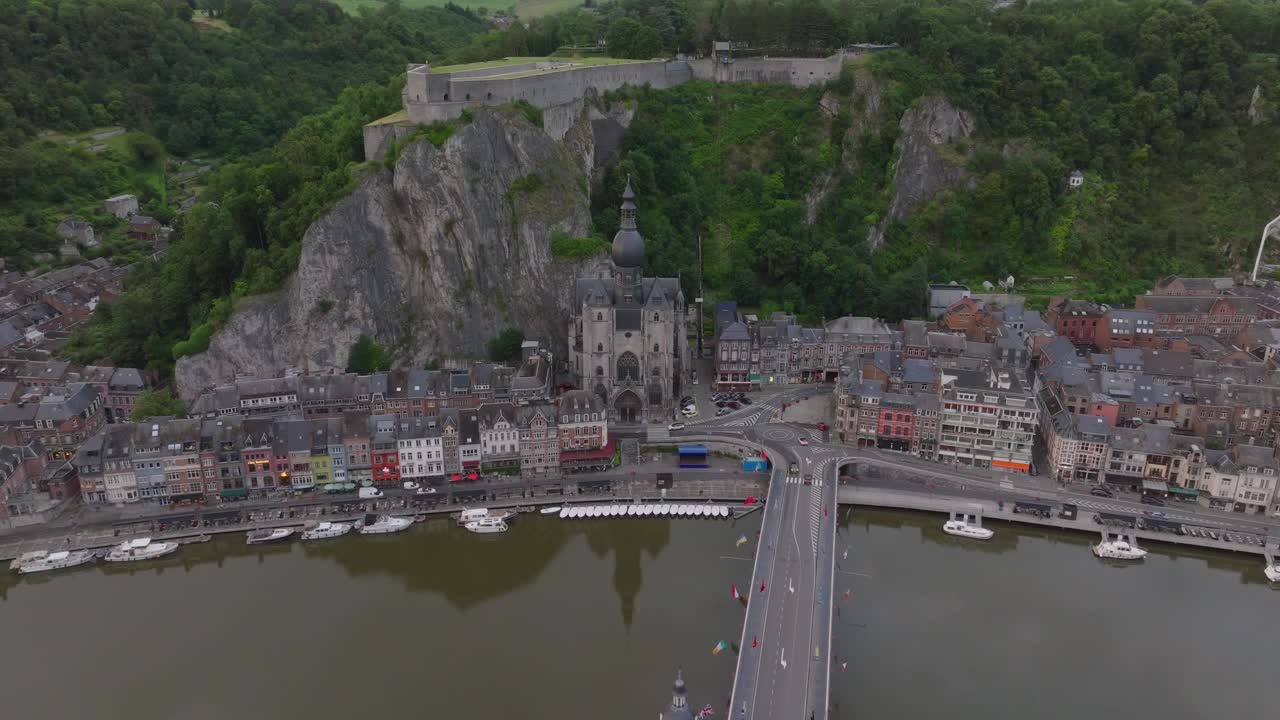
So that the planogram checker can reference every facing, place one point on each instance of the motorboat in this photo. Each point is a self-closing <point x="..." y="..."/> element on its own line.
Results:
<point x="326" y="530"/>
<point x="960" y="528"/>
<point x="474" y="514"/>
<point x="699" y="511"/>
<point x="1272" y="571"/>
<point x="724" y="511"/>
<point x="486" y="526"/>
<point x="44" y="560"/>
<point x="383" y="524"/>
<point x="1118" y="547"/>
<point x="140" y="549"/>
<point x="258" y="537"/>
<point x="551" y="511"/>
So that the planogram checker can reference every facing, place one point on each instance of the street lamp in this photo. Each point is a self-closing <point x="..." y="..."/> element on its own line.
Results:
<point x="1262" y="244"/>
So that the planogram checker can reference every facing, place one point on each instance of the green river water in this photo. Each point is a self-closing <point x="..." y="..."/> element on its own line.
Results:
<point x="557" y="619"/>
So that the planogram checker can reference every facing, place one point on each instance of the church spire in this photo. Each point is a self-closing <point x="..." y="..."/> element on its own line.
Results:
<point x="628" y="207"/>
<point x="628" y="246"/>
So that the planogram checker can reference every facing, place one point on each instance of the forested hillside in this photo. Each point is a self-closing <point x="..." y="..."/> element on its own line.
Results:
<point x="1150" y="99"/>
<point x="220" y="83"/>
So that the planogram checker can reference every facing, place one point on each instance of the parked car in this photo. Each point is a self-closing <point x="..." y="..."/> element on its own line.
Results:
<point x="722" y="404"/>
<point x="804" y="441"/>
<point x="676" y="426"/>
<point x="1101" y="492"/>
<point x="745" y="400"/>
<point x="723" y="411"/>
<point x="690" y="412"/>
<point x="735" y="405"/>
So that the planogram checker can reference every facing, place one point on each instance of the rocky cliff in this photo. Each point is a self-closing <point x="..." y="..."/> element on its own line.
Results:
<point x="432" y="257"/>
<point x="865" y="105"/>
<point x="928" y="158"/>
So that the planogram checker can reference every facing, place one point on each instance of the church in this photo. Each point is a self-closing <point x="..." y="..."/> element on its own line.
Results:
<point x="626" y="339"/>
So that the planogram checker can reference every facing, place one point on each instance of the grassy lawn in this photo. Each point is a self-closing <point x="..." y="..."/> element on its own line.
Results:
<point x="526" y="9"/>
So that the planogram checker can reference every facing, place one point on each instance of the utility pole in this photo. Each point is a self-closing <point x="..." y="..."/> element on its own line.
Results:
<point x="1262" y="244"/>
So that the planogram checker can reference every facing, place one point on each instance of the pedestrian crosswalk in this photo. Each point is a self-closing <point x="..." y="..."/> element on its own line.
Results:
<point x="815" y="517"/>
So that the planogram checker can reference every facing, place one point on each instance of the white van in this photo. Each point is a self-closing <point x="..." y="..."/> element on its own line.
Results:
<point x="369" y="493"/>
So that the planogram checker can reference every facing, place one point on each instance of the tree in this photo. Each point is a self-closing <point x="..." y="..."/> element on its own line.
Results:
<point x="629" y="38"/>
<point x="367" y="356"/>
<point x="157" y="403"/>
<point x="506" y="346"/>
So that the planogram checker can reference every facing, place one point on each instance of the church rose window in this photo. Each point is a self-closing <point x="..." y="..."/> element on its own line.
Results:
<point x="628" y="367"/>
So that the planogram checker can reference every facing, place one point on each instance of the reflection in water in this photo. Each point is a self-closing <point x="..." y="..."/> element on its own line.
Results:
<point x="627" y="540"/>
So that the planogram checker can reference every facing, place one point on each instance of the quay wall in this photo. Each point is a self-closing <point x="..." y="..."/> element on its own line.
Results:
<point x="905" y="500"/>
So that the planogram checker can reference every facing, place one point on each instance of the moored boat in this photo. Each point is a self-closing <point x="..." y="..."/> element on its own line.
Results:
<point x="960" y="528"/>
<point x="486" y="526"/>
<point x="383" y="524"/>
<point x="258" y="537"/>
<point x="326" y="530"/>
<point x="1118" y="547"/>
<point x="475" y="514"/>
<point x="556" y="510"/>
<point x="140" y="549"/>
<point x="44" y="560"/>
<point x="1272" y="571"/>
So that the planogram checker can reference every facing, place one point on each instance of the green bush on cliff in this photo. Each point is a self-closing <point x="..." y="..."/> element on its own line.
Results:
<point x="569" y="246"/>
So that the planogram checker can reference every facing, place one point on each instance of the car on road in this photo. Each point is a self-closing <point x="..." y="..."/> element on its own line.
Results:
<point x="722" y="403"/>
<point x="1153" y="500"/>
<point x="744" y="400"/>
<point x="722" y="412"/>
<point x="1155" y="514"/>
<point x="794" y="469"/>
<point x="808" y="479"/>
<point x="690" y="412"/>
<point x="686" y="400"/>
<point x="676" y="426"/>
<point x="1101" y="492"/>
<point x="425" y="491"/>
<point x="804" y="441"/>
<point x="410" y="485"/>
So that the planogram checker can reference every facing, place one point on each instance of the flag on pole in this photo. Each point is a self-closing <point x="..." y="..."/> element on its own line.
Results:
<point x="733" y="588"/>
<point x="742" y="540"/>
<point x="718" y="648"/>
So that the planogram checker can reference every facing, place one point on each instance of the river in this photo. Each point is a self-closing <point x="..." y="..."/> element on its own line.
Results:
<point x="592" y="618"/>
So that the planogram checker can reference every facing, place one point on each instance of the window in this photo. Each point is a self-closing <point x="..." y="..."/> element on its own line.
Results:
<point x="599" y="347"/>
<point x="599" y="317"/>
<point x="655" y="317"/>
<point x="599" y="371"/>
<point x="655" y="347"/>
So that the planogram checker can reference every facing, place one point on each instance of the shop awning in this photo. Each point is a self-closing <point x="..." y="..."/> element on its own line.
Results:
<point x="1155" y="485"/>
<point x="234" y="493"/>
<point x="1188" y="492"/>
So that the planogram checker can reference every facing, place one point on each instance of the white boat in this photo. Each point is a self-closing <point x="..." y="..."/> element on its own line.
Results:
<point x="1272" y="571"/>
<point x="960" y="528"/>
<point x="43" y="560"/>
<point x="699" y="511"/>
<point x="486" y="526"/>
<point x="666" y="510"/>
<point x="550" y="510"/>
<point x="597" y="511"/>
<point x="383" y="524"/>
<point x="475" y="514"/>
<point x="140" y="549"/>
<point x="631" y="511"/>
<point x="724" y="511"/>
<point x="326" y="530"/>
<point x="1117" y="547"/>
<point x="648" y="510"/>
<point x="257" y="537"/>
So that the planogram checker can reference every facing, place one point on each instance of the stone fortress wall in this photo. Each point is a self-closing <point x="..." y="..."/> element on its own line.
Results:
<point x="559" y="86"/>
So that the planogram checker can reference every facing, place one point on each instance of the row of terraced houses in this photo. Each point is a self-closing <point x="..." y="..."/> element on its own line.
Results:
<point x="1177" y="395"/>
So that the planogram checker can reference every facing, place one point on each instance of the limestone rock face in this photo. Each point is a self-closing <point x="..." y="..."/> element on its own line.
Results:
<point x="1259" y="108"/>
<point x="432" y="258"/>
<point x="866" y="114"/>
<point x="928" y="161"/>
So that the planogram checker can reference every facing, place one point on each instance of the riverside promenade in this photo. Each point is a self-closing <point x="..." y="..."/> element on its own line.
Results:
<point x="190" y="524"/>
<point x="956" y="501"/>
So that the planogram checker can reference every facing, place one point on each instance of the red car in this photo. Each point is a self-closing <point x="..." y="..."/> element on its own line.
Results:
<point x="822" y="426"/>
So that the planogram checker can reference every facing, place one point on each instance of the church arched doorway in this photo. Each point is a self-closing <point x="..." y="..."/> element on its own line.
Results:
<point x="628" y="406"/>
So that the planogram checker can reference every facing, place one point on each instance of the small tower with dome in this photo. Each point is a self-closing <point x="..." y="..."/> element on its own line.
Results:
<point x="679" y="709"/>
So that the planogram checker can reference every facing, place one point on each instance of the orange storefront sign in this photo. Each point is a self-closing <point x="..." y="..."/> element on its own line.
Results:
<point x="1009" y="464"/>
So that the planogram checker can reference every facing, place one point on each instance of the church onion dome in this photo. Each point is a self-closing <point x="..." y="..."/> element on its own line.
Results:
<point x="628" y="249"/>
<point x="628" y="246"/>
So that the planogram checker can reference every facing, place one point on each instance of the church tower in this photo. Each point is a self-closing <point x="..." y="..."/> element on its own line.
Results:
<point x="679" y="709"/>
<point x="628" y="252"/>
